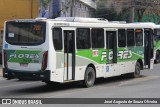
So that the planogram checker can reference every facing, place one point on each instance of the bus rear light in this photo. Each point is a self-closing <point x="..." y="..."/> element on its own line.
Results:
<point x="5" y="59"/>
<point x="44" y="61"/>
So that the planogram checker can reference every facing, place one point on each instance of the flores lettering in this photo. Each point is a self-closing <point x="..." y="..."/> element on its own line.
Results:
<point x="126" y="54"/>
<point x="28" y="56"/>
<point x="24" y="58"/>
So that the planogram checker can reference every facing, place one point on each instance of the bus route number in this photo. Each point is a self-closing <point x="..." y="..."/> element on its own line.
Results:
<point x="37" y="27"/>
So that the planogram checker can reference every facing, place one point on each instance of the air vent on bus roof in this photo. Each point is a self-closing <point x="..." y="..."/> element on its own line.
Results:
<point x="68" y="19"/>
<point x="121" y="22"/>
<point x="41" y="18"/>
<point x="147" y="23"/>
<point x="81" y="19"/>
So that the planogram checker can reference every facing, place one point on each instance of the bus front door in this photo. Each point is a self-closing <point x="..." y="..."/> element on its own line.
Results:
<point x="111" y="47"/>
<point x="148" y="49"/>
<point x="69" y="55"/>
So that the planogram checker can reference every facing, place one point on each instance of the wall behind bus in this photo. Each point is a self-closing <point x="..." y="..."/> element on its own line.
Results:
<point x="17" y="9"/>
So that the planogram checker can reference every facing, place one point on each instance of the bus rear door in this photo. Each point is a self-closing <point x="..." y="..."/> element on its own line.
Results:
<point x="111" y="47"/>
<point x="69" y="54"/>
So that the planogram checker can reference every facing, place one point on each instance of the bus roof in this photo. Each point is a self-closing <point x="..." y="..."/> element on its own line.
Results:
<point x="90" y="22"/>
<point x="157" y="26"/>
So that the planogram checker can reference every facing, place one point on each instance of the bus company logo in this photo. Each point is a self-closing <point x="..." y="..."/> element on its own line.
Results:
<point x="61" y="24"/>
<point x="126" y="54"/>
<point x="6" y="101"/>
<point x="31" y="56"/>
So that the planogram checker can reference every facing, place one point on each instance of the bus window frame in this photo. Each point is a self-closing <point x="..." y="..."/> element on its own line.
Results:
<point x="90" y="43"/>
<point x="125" y="37"/>
<point x="97" y="40"/>
<point x="142" y="32"/>
<point x="133" y="36"/>
<point x="61" y="38"/>
<point x="26" y="44"/>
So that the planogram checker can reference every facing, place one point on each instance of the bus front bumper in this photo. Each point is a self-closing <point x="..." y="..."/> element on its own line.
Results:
<point x="26" y="75"/>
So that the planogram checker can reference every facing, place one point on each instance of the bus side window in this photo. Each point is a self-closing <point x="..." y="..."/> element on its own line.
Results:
<point x="83" y="38"/>
<point x="130" y="37"/>
<point x="57" y="38"/>
<point x="97" y="38"/>
<point x="139" y="37"/>
<point x="121" y="38"/>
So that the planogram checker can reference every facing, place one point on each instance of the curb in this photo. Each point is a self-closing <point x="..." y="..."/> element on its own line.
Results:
<point x="1" y="73"/>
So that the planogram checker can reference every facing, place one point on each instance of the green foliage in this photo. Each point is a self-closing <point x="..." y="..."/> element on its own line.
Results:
<point x="45" y="3"/>
<point x="124" y="15"/>
<point x="103" y="12"/>
<point x="149" y="17"/>
<point x="111" y="14"/>
<point x="144" y="10"/>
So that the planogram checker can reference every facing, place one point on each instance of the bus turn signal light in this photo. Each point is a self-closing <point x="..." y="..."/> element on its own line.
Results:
<point x="44" y="61"/>
<point x="5" y="59"/>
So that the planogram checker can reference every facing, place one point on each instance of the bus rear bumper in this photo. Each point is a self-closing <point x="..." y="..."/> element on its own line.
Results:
<point x="26" y="75"/>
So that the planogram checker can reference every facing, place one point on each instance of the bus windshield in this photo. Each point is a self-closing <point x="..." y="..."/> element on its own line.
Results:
<point x="25" y="33"/>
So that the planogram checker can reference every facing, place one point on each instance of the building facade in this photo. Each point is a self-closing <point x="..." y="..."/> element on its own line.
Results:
<point x="71" y="8"/>
<point x="81" y="8"/>
<point x="16" y="9"/>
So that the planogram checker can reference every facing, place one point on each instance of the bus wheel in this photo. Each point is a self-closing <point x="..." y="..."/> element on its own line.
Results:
<point x="157" y="60"/>
<point x="89" y="78"/>
<point x="136" y="74"/>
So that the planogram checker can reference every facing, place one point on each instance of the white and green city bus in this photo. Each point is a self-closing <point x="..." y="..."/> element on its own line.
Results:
<point x="157" y="43"/>
<point x="156" y="39"/>
<point x="75" y="49"/>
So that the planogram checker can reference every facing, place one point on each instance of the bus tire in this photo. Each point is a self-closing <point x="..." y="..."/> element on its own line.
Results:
<point x="157" y="60"/>
<point x="89" y="77"/>
<point x="136" y="73"/>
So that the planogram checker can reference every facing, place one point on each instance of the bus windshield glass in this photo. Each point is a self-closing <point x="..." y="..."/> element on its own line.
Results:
<point x="25" y="33"/>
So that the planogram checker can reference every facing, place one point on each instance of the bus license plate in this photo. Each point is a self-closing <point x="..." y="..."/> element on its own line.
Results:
<point x="24" y="65"/>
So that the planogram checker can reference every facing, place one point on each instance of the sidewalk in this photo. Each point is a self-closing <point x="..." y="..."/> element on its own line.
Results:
<point x="0" y="70"/>
<point x="1" y="73"/>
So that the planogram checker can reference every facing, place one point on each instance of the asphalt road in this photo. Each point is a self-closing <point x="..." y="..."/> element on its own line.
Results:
<point x="147" y="86"/>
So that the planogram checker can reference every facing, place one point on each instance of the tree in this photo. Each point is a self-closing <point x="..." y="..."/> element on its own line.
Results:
<point x="144" y="9"/>
<point x="105" y="12"/>
<point x="108" y="9"/>
<point x="44" y="4"/>
<point x="137" y="10"/>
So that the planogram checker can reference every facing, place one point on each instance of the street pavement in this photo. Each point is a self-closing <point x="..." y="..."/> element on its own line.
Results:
<point x="147" y="86"/>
